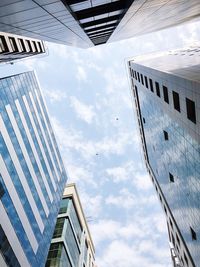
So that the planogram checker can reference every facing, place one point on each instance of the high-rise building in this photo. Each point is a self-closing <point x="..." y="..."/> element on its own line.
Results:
<point x="71" y="244"/>
<point x="14" y="47"/>
<point x="166" y="88"/>
<point x="85" y="23"/>
<point x="32" y="174"/>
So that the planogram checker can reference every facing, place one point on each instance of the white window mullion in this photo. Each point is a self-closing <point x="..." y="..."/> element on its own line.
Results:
<point x="12" y="237"/>
<point x="18" y="205"/>
<point x="34" y="150"/>
<point x="20" y="173"/>
<point x="47" y="126"/>
<point x="28" y="161"/>
<point x="44" y="135"/>
<point x="39" y="141"/>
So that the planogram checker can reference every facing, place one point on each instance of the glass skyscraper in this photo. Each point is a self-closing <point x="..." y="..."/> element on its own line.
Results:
<point x="166" y="88"/>
<point x="32" y="174"/>
<point x="72" y="244"/>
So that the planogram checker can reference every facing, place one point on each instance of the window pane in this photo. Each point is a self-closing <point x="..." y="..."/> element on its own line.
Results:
<point x="165" y="94"/>
<point x="146" y="82"/>
<point x="75" y="222"/>
<point x="151" y="84"/>
<point x="191" y="113"/>
<point x="157" y="89"/>
<point x="59" y="227"/>
<point x="64" y="205"/>
<point x="176" y="101"/>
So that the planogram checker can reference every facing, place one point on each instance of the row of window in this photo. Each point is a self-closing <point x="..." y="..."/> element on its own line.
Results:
<point x="69" y="236"/>
<point x="193" y="233"/>
<point x="148" y="83"/>
<point x="172" y="236"/>
<point x="24" y="45"/>
<point x="177" y="245"/>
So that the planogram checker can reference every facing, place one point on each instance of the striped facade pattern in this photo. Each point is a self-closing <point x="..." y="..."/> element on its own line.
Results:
<point x="32" y="174"/>
<point x="15" y="47"/>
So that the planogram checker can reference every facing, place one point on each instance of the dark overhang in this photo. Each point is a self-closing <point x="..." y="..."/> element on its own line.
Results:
<point x="98" y="21"/>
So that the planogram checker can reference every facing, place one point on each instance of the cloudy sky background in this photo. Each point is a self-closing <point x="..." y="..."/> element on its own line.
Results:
<point x="89" y="101"/>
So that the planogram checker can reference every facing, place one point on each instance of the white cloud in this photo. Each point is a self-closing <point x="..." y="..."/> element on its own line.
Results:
<point x="120" y="254"/>
<point x="160" y="223"/>
<point x="79" y="174"/>
<point x="132" y="171"/>
<point x="71" y="140"/>
<point x="104" y="229"/>
<point x="142" y="181"/>
<point x="118" y="174"/>
<point x="55" y="95"/>
<point x="81" y="74"/>
<point x="83" y="111"/>
<point x="127" y="199"/>
<point x="30" y="63"/>
<point x="116" y="144"/>
<point x="112" y="230"/>
<point x="124" y="199"/>
<point x="92" y="205"/>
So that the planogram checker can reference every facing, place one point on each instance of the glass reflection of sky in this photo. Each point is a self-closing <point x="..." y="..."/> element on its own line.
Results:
<point x="180" y="156"/>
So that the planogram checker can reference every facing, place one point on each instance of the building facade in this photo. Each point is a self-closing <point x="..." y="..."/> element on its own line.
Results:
<point x="166" y="87"/>
<point x="32" y="174"/>
<point x="146" y="16"/>
<point x="85" y="23"/>
<point x="14" y="47"/>
<point x="71" y="245"/>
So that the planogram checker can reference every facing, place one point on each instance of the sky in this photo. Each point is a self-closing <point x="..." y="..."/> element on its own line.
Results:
<point x="90" y="106"/>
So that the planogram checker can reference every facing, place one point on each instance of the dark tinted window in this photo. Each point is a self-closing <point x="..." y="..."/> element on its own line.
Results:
<point x="21" y="44"/>
<point x="193" y="233"/>
<point x="171" y="223"/>
<point x="171" y="177"/>
<point x="190" y="107"/>
<point x="29" y="46"/>
<point x="165" y="94"/>
<point x="166" y="135"/>
<point x="151" y="84"/>
<point x="165" y="210"/>
<point x="59" y="227"/>
<point x="64" y="205"/>
<point x="185" y="258"/>
<point x="135" y="75"/>
<point x="146" y="81"/>
<point x="13" y="44"/>
<point x="142" y="79"/>
<point x="40" y="46"/>
<point x="176" y="101"/>
<point x="138" y="77"/>
<point x="178" y="240"/>
<point x="35" y="46"/>
<point x="157" y="89"/>
<point x="3" y="45"/>
<point x="173" y="240"/>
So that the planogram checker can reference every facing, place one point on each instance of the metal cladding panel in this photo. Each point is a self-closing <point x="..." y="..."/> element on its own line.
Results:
<point x="145" y="16"/>
<point x="43" y="19"/>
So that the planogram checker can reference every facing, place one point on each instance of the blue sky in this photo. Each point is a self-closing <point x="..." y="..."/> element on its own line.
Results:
<point x="89" y="101"/>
